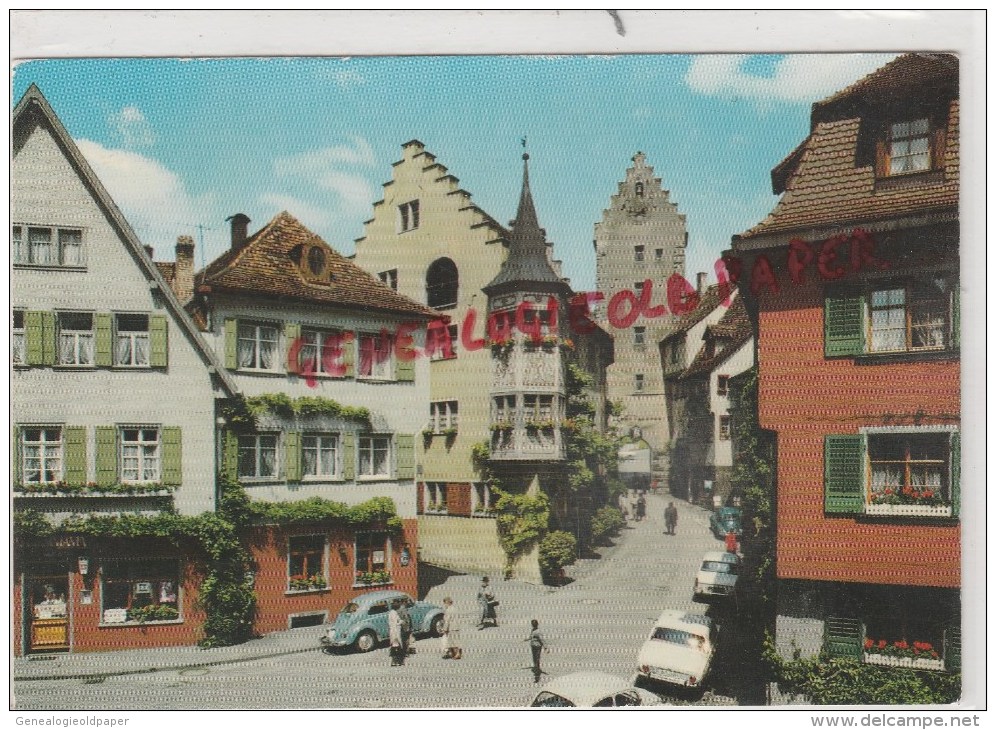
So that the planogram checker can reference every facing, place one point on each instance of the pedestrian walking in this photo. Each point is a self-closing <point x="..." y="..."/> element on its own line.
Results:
<point x="536" y="646"/>
<point x="394" y="635"/>
<point x="487" y="603"/>
<point x="641" y="508"/>
<point x="731" y="542"/>
<point x="670" y="518"/>
<point x="406" y="628"/>
<point x="451" y="632"/>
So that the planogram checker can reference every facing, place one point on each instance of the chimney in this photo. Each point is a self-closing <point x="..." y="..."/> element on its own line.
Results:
<point x="183" y="274"/>
<point x="149" y="251"/>
<point x="700" y="283"/>
<point x="240" y="230"/>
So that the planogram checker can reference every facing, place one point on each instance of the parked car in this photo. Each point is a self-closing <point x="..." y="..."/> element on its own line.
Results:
<point x="592" y="689"/>
<point x="725" y="519"/>
<point x="678" y="651"/>
<point x="717" y="576"/>
<point x="362" y="623"/>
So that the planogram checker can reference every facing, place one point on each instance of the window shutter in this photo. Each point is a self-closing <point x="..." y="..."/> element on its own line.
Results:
<point x="952" y="649"/>
<point x="940" y="148"/>
<point x="349" y="355"/>
<point x="881" y="158"/>
<point x="230" y="456"/>
<point x="172" y="457"/>
<point x="292" y="331"/>
<point x="231" y="343"/>
<point x="49" y="350"/>
<point x="844" y="474"/>
<point x="34" y="330"/>
<point x="292" y="442"/>
<point x="349" y="456"/>
<point x="103" y="339"/>
<point x="843" y="637"/>
<point x="74" y="456"/>
<point x="107" y="455"/>
<point x="955" y="474"/>
<point x="843" y="324"/>
<point x="406" y="456"/>
<point x="158" y="341"/>
<point x="404" y="370"/>
<point x="956" y="316"/>
<point x="16" y="451"/>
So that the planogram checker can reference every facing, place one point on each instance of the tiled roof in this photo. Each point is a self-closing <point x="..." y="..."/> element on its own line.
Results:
<point x="708" y="302"/>
<point x="822" y="179"/>
<point x="734" y="328"/>
<point x="263" y="266"/>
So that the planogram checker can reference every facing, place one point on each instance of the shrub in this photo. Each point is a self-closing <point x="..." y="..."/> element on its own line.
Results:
<point x="605" y="523"/>
<point x="556" y="550"/>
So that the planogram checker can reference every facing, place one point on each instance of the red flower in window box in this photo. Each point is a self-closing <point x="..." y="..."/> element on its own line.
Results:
<point x="869" y="643"/>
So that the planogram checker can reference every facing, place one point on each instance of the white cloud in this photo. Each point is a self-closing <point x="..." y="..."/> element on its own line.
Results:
<point x="153" y="199"/>
<point x="359" y="152"/>
<point x="132" y="128"/>
<point x="796" y="78"/>
<point x="312" y="216"/>
<point x="333" y="169"/>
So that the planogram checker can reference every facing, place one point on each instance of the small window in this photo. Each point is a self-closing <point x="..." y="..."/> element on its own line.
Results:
<point x="320" y="455"/>
<point x="724" y="428"/>
<point x="47" y="246"/>
<point x="316" y="261"/>
<point x="909" y="146"/>
<point x="17" y="355"/>
<point x="258" y="456"/>
<point x="443" y="416"/>
<point x="75" y="338"/>
<point x="375" y="356"/>
<point x="435" y="497"/>
<point x="142" y="589"/>
<point x="257" y="347"/>
<point x="441" y="341"/>
<point x="638" y="287"/>
<point x="639" y="190"/>
<point x="41" y="455"/>
<point x="638" y="382"/>
<point x="658" y="254"/>
<point x="639" y="336"/>
<point x="306" y="563"/>
<point x="482" y="497"/>
<point x="372" y="559"/>
<point x="140" y="455"/>
<point x="408" y="216"/>
<point x="722" y="384"/>
<point x="132" y="348"/>
<point x="375" y="456"/>
<point x="638" y="253"/>
<point x="674" y="353"/>
<point x="909" y="468"/>
<point x="442" y="284"/>
<point x="390" y="278"/>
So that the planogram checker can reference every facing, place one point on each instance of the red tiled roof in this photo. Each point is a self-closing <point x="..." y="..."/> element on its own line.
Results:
<point x="822" y="180"/>
<point x="708" y="302"/>
<point x="263" y="266"/>
<point x="735" y="328"/>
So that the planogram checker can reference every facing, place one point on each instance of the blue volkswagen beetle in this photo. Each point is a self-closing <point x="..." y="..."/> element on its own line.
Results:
<point x="362" y="623"/>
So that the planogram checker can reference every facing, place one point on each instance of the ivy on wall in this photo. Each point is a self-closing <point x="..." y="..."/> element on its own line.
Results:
<point x="241" y="413"/>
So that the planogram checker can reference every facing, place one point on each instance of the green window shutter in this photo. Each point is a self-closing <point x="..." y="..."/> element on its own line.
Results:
<point x="952" y="649"/>
<point x="349" y="355"/>
<point x="230" y="456"/>
<point x="844" y="474"/>
<point x="406" y="456"/>
<point x="16" y="451"/>
<point x="955" y="474"/>
<point x="172" y="475"/>
<point x="404" y="370"/>
<point x="292" y="331"/>
<point x="956" y="316"/>
<point x="349" y="456"/>
<point x="158" y="341"/>
<point x="34" y="332"/>
<point x="49" y="350"/>
<point x="843" y="324"/>
<point x="107" y="455"/>
<point x="292" y="441"/>
<point x="231" y="343"/>
<point x="103" y="339"/>
<point x="74" y="456"/>
<point x="843" y="637"/>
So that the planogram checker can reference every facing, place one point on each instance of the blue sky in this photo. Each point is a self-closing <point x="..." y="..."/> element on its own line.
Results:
<point x="182" y="143"/>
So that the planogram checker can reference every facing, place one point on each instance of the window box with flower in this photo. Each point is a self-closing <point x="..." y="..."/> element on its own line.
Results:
<point x="501" y="426"/>
<point x="373" y="578"/>
<point x="541" y="425"/>
<point x="153" y="612"/>
<point x="912" y="655"/>
<point x="303" y="583"/>
<point x="908" y="501"/>
<point x="436" y="507"/>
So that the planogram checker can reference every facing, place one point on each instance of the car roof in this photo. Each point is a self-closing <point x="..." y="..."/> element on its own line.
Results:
<point x="691" y="622"/>
<point x="586" y="688"/>
<point x="728" y="511"/>
<point x="375" y="596"/>
<point x="721" y="556"/>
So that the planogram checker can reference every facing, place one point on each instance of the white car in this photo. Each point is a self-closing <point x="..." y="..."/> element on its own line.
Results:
<point x="678" y="651"/>
<point x="717" y="577"/>
<point x="592" y="689"/>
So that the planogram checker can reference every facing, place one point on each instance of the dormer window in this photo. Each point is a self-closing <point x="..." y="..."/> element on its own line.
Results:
<point x="316" y="261"/>
<point x="909" y="146"/>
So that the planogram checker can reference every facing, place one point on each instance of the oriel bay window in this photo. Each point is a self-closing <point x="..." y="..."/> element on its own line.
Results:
<point x="306" y="563"/>
<point x="443" y="416"/>
<point x="918" y="315"/>
<point x="140" y="590"/>
<point x="894" y="472"/>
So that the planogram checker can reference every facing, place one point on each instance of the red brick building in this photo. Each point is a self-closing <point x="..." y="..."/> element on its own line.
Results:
<point x="852" y="282"/>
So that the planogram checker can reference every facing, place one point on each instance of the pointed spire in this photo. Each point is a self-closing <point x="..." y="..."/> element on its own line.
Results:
<point x="527" y="252"/>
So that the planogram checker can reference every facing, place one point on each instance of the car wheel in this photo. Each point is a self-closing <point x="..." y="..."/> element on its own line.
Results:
<point x="436" y="628"/>
<point x="366" y="641"/>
